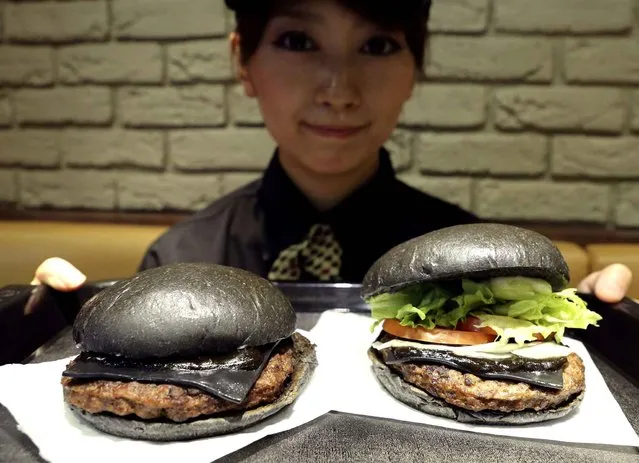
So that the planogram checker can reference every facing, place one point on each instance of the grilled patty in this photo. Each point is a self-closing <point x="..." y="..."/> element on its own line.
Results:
<point x="177" y="403"/>
<point x="465" y="390"/>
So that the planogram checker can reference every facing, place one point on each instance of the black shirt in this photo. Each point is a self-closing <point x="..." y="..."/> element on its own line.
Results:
<point x="250" y="226"/>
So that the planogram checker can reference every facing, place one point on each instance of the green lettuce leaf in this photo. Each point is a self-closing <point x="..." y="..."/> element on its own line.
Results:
<point x="516" y="308"/>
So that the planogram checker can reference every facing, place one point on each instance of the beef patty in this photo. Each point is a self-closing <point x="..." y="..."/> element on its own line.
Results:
<point x="177" y="403"/>
<point x="465" y="390"/>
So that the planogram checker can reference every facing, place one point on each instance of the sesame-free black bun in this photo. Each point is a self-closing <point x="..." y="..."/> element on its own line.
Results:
<point x="184" y="309"/>
<point x="427" y="403"/>
<point x="473" y="251"/>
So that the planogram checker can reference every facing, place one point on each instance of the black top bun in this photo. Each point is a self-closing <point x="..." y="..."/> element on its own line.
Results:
<point x="184" y="309"/>
<point x="474" y="251"/>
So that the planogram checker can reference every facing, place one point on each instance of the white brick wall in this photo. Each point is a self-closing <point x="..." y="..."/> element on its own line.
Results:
<point x="26" y="65"/>
<point x="482" y="154"/>
<point x="490" y="59"/>
<point x="29" y="148"/>
<point x="64" y="105"/>
<point x="560" y="109"/>
<point x="8" y="188"/>
<point x="6" y="110"/>
<point x="230" y="149"/>
<point x="464" y="107"/>
<point x="53" y="22"/>
<point x="115" y="148"/>
<point x="459" y="16"/>
<point x="541" y="200"/>
<point x="563" y="16"/>
<point x="530" y="110"/>
<point x="193" y="105"/>
<point x="578" y="156"/>
<point x="168" y="19"/>
<point x="110" y="63"/>
<point x="151" y="191"/>
<point x="602" y="61"/>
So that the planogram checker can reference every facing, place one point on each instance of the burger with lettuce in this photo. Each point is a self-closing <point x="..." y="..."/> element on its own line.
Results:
<point x="473" y="319"/>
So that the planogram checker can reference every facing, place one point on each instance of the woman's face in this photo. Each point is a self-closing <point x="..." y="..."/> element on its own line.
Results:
<point x="330" y="85"/>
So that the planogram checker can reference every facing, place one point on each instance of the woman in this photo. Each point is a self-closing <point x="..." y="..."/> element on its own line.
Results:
<point x="330" y="78"/>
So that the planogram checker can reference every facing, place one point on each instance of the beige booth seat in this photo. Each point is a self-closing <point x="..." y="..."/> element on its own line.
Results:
<point x="101" y="251"/>
<point x="577" y="261"/>
<point x="109" y="251"/>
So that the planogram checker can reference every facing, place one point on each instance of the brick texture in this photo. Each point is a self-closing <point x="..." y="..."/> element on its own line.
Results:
<point x="461" y="16"/>
<point x="198" y="105"/>
<point x="627" y="211"/>
<point x="26" y="65"/>
<point x="8" y="188"/>
<point x="596" y="157"/>
<point x="527" y="109"/>
<point x="147" y="191"/>
<point x="29" y="148"/>
<point x="200" y="61"/>
<point x="635" y="111"/>
<point x="617" y="61"/>
<point x="455" y="190"/>
<point x="400" y="146"/>
<point x="82" y="106"/>
<point x="111" y="148"/>
<point x="110" y="63"/>
<point x="244" y="110"/>
<point x="531" y="200"/>
<point x="490" y="59"/>
<point x="245" y="149"/>
<point x="163" y="19"/>
<point x="77" y="20"/>
<point x="481" y="154"/>
<point x="560" y="109"/>
<point x="68" y="189"/>
<point x="465" y="107"/>
<point x="565" y="16"/>
<point x="5" y="109"/>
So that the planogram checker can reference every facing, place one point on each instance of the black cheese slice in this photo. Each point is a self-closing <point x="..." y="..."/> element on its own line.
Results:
<point x="228" y="377"/>
<point x="544" y="373"/>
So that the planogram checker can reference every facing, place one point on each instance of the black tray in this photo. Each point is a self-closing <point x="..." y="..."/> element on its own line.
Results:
<point x="338" y="436"/>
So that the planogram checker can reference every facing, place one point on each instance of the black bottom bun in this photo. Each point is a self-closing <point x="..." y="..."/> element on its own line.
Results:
<point x="421" y="400"/>
<point x="132" y="428"/>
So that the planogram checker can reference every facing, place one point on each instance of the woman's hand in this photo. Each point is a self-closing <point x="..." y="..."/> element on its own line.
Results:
<point x="59" y="274"/>
<point x="609" y="284"/>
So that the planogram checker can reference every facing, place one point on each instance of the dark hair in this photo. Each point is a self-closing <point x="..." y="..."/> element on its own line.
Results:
<point x="409" y="16"/>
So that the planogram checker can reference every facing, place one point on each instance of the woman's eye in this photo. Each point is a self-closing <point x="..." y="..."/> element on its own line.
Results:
<point x="295" y="41"/>
<point x="381" y="46"/>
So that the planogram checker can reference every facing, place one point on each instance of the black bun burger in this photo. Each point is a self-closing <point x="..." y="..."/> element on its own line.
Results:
<point x="472" y="319"/>
<point x="185" y="351"/>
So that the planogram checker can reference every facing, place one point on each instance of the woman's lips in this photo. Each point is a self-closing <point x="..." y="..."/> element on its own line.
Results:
<point x="332" y="131"/>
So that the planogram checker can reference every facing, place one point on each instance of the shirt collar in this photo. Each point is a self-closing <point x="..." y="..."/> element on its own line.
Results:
<point x="289" y="214"/>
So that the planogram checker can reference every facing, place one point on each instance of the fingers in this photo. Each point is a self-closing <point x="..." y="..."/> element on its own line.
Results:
<point x="609" y="284"/>
<point x="59" y="274"/>
<point x="587" y="285"/>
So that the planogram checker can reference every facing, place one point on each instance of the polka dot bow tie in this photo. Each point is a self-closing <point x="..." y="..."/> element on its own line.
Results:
<point x="319" y="255"/>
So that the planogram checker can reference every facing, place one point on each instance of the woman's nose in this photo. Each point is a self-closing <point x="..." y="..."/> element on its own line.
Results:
<point x="338" y="88"/>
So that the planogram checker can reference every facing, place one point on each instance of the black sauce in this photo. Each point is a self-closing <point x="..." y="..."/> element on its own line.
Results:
<point x="229" y="377"/>
<point x="474" y="365"/>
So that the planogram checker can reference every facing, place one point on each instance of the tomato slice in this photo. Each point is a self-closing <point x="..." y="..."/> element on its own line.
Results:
<point x="472" y="324"/>
<point x="437" y="335"/>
